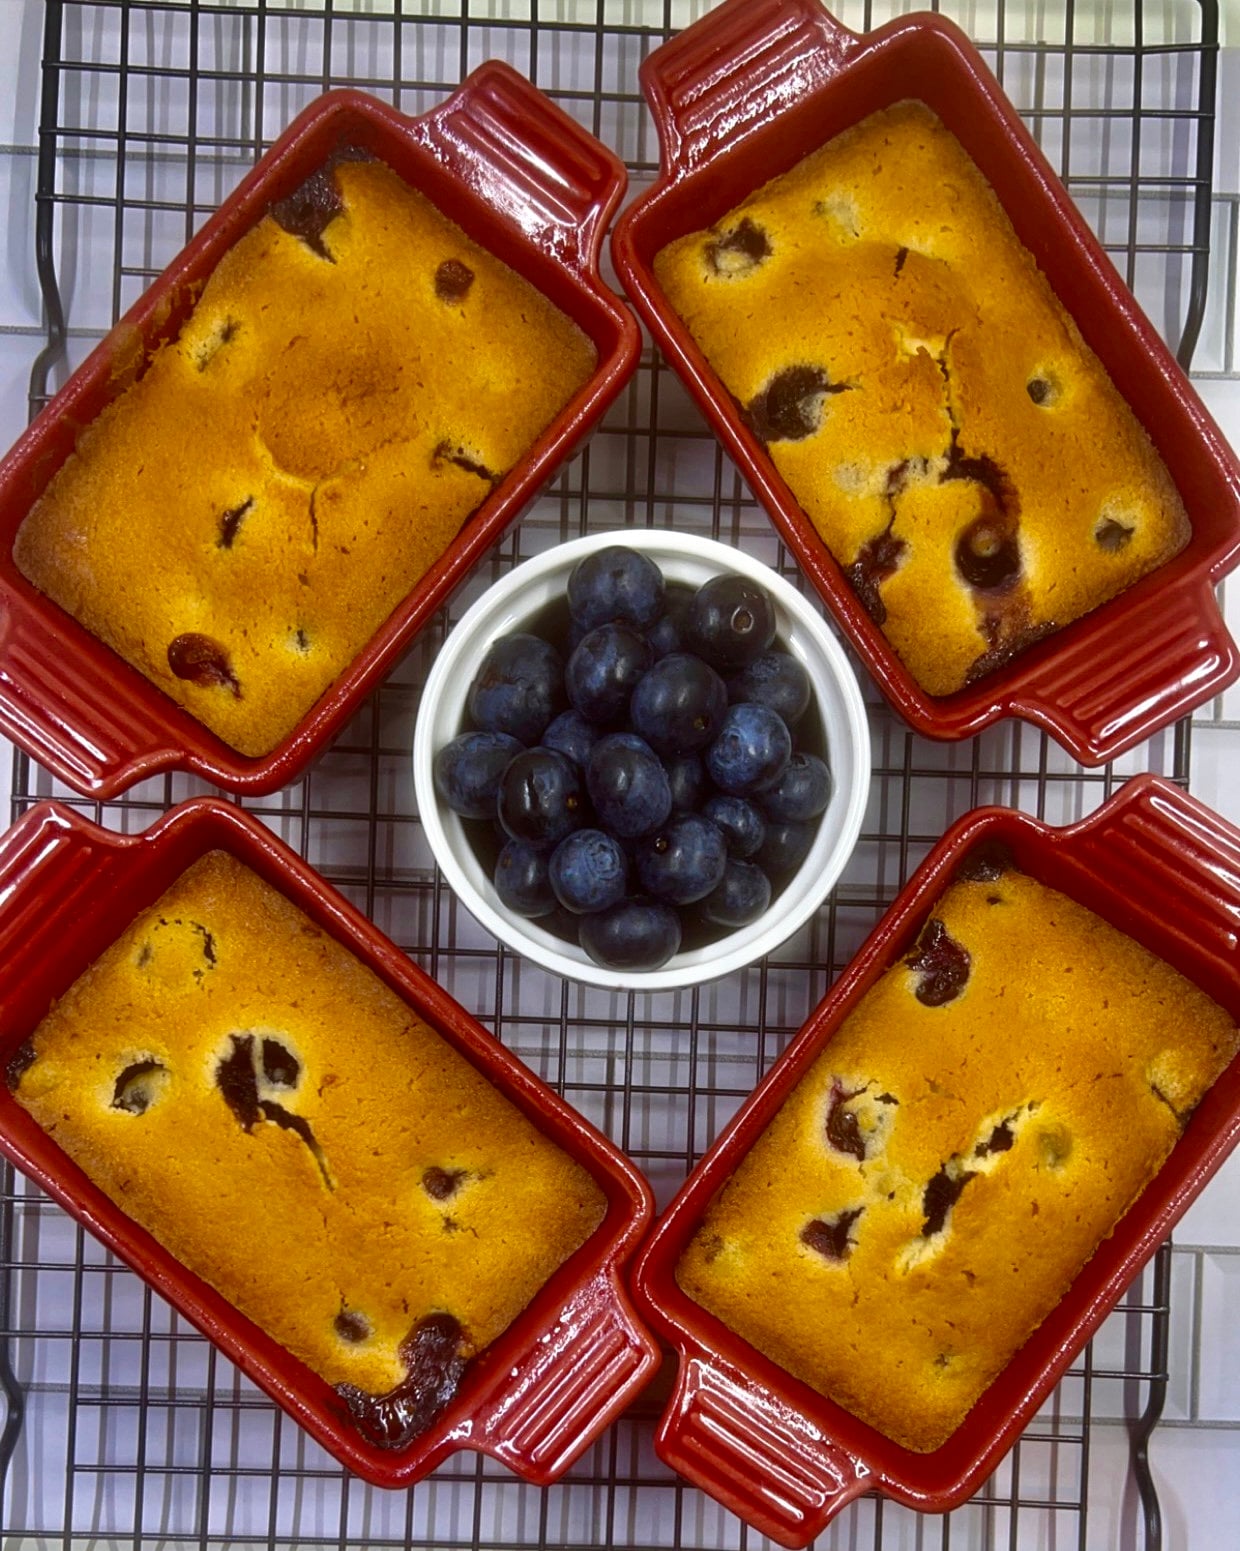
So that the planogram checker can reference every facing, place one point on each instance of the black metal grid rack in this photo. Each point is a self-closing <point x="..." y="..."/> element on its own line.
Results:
<point x="123" y="1425"/>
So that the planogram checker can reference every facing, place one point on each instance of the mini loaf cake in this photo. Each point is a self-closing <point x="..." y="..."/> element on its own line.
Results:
<point x="283" y="1123"/>
<point x="978" y="1124"/>
<point x="353" y="382"/>
<point x="928" y="401"/>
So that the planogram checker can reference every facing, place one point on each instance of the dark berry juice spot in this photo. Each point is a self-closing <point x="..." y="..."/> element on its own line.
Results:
<point x="901" y="255"/>
<point x="202" y="661"/>
<point x="1044" y="391"/>
<point x="310" y="209"/>
<point x="300" y="1127"/>
<point x="790" y="407"/>
<point x="940" y="1195"/>
<point x="435" y="1366"/>
<point x="463" y="458"/>
<point x="829" y="1236"/>
<point x="230" y="521"/>
<point x="442" y="1184"/>
<point x="351" y="1326"/>
<point x="234" y="1077"/>
<point x="988" y="554"/>
<point x="738" y="251"/>
<point x="453" y="280"/>
<point x="208" y="942"/>
<point x="1001" y="1139"/>
<point x="843" y="1128"/>
<point x="138" y="1086"/>
<point x="1007" y="644"/>
<point x="281" y="1067"/>
<point x="877" y="559"/>
<point x="18" y="1064"/>
<point x="986" y="863"/>
<point x="941" y="964"/>
<point x="1112" y="536"/>
<point x="301" y="641"/>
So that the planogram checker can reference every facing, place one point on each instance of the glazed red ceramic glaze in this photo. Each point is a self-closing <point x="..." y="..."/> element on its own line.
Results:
<point x="524" y="181"/>
<point x="743" y="95"/>
<point x="1157" y="865"/>
<point x="568" y="1364"/>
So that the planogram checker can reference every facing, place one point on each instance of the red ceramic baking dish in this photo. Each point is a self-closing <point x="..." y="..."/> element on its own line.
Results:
<point x="524" y="181"/>
<point x="552" y="1381"/>
<point x="1157" y="865"/>
<point x="741" y="97"/>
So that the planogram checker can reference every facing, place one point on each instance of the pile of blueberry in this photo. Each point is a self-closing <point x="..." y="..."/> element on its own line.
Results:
<point x="642" y="776"/>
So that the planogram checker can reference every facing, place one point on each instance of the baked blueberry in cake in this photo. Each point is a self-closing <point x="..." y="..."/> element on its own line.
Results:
<point x="927" y="399"/>
<point x="975" y="1127"/>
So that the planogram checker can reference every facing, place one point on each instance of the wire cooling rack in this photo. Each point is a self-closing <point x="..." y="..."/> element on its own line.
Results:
<point x="123" y="1425"/>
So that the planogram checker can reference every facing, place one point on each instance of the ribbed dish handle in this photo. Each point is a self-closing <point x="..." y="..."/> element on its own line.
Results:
<point x="55" y="871"/>
<point x="580" y="1375"/>
<point x="1153" y="842"/>
<point x="763" y="1462"/>
<point x="529" y="159"/>
<point x="1118" y="687"/>
<point x="56" y="706"/>
<point x="735" y="68"/>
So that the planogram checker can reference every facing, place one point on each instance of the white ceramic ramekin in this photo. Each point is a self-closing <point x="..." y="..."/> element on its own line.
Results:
<point x="516" y="601"/>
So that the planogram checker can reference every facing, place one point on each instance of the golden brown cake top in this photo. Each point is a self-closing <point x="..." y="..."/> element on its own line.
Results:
<point x="930" y="404"/>
<point x="976" y="1126"/>
<point x="280" y="1120"/>
<point x="239" y="523"/>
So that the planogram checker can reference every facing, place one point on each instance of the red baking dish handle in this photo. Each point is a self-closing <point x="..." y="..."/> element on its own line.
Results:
<point x="703" y="102"/>
<point x="1115" y="688"/>
<point x="528" y="159"/>
<point x="577" y="1379"/>
<point x="63" y="710"/>
<point x="763" y="1461"/>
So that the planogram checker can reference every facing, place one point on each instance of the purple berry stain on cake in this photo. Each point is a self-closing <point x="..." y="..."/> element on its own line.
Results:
<point x="738" y="251"/>
<point x="310" y="209"/>
<point x="200" y="660"/>
<point x="230" y="522"/>
<point x="790" y="407"/>
<point x="442" y="1184"/>
<point x="940" y="1195"/>
<point x="432" y="1356"/>
<point x="281" y="1067"/>
<point x="986" y="863"/>
<point x="137" y="1086"/>
<point x="18" y="1064"/>
<point x="453" y="280"/>
<point x="830" y="1237"/>
<point x="352" y="1326"/>
<point x="843" y="1128"/>
<point x="942" y="966"/>
<point x="877" y="559"/>
<point x="237" y="1082"/>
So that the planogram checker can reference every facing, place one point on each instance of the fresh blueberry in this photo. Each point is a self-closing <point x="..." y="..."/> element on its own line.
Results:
<point x="518" y="688"/>
<point x="730" y="621"/>
<point x="776" y="679"/>
<point x="684" y="860"/>
<point x="801" y="793"/>
<point x="752" y="749"/>
<point x="521" y="880"/>
<point x="667" y="633"/>
<point x="785" y="847"/>
<point x="615" y="584"/>
<point x="589" y="871"/>
<point x="639" y="934"/>
<point x="571" y="735"/>
<point x="467" y="771"/>
<point x="541" y="798"/>
<point x="603" y="671"/>
<point x="686" y="775"/>
<point x="741" y="897"/>
<point x="678" y="705"/>
<point x="743" y="825"/>
<point x="628" y="785"/>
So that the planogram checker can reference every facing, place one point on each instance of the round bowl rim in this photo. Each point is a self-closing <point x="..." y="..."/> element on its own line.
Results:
<point x="505" y="607"/>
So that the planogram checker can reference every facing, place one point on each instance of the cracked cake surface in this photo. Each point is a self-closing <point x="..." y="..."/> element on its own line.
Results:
<point x="928" y="401"/>
<point x="280" y="1120"/>
<point x="976" y="1126"/>
<point x="355" y="378"/>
